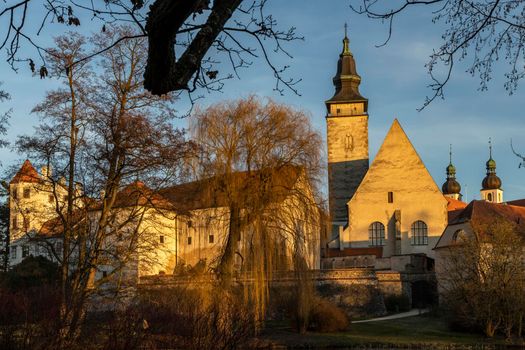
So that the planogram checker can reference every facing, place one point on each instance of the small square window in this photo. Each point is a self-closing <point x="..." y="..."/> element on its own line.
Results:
<point x="390" y="197"/>
<point x="189" y="240"/>
<point x="27" y="192"/>
<point x="211" y="238"/>
<point x="161" y="239"/>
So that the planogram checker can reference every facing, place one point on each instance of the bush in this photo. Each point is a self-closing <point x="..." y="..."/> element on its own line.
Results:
<point x="397" y="303"/>
<point x="327" y="317"/>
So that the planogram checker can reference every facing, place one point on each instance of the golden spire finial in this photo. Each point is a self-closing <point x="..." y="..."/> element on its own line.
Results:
<point x="346" y="41"/>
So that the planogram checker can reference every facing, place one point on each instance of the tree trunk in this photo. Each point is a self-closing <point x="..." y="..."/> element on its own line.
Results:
<point x="226" y="265"/>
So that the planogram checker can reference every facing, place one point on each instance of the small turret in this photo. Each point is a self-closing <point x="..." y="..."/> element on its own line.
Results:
<point x="491" y="185"/>
<point x="451" y="188"/>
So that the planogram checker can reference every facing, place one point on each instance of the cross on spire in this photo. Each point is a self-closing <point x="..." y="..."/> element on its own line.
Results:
<point x="346" y="29"/>
<point x="490" y="148"/>
<point x="450" y="153"/>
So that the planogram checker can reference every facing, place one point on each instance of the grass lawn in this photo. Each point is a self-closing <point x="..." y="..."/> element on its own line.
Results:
<point x="414" y="332"/>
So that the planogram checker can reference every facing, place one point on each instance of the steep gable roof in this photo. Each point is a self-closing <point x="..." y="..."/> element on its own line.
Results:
<point x="398" y="158"/>
<point x="27" y="173"/>
<point x="454" y="208"/>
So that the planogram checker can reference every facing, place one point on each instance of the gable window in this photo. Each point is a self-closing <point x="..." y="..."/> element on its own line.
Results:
<point x="376" y="234"/>
<point x="51" y="198"/>
<point x="189" y="240"/>
<point x="459" y="235"/>
<point x="15" y="193"/>
<point x="161" y="239"/>
<point x="15" y="222"/>
<point x="211" y="238"/>
<point x="390" y="197"/>
<point x="27" y="192"/>
<point x="419" y="232"/>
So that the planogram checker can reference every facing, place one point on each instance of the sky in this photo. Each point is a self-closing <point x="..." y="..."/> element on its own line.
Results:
<point x="394" y="79"/>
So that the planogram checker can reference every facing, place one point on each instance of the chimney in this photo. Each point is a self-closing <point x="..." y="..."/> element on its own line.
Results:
<point x="46" y="172"/>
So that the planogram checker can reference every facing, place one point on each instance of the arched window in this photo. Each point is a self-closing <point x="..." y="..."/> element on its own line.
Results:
<point x="376" y="234"/>
<point x="419" y="233"/>
<point x="459" y="235"/>
<point x="490" y="197"/>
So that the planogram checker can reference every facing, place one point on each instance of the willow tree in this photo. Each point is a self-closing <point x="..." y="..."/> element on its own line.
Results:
<point x="262" y="161"/>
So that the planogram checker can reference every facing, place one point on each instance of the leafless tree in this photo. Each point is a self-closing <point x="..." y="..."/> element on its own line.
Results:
<point x="100" y="133"/>
<point x="186" y="38"/>
<point x="488" y="31"/>
<point x="483" y="279"/>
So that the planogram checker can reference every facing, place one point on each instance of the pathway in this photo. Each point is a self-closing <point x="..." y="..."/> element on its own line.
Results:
<point x="413" y="312"/>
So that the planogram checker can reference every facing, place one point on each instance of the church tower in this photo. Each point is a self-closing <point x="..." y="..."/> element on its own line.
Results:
<point x="491" y="185"/>
<point x="347" y="136"/>
<point x="451" y="188"/>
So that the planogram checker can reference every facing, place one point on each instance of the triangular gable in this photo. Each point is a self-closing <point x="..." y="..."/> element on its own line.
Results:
<point x="397" y="167"/>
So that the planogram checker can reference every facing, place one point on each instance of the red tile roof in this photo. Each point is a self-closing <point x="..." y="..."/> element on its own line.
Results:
<point x="481" y="214"/>
<point x="27" y="173"/>
<point x="454" y="208"/>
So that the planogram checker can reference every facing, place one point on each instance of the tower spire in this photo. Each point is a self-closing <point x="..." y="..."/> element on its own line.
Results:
<point x="451" y="188"/>
<point x="450" y="154"/>
<point x="490" y="148"/>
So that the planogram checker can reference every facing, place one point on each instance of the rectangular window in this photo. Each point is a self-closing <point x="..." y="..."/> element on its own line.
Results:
<point x="15" y="222"/>
<point x="15" y="193"/>
<point x="51" y="198"/>
<point x="59" y="247"/>
<point x="25" y="251"/>
<point x="161" y="239"/>
<point x="211" y="239"/>
<point x="26" y="223"/>
<point x="12" y="251"/>
<point x="189" y="240"/>
<point x="27" y="192"/>
<point x="390" y="197"/>
<point x="104" y="274"/>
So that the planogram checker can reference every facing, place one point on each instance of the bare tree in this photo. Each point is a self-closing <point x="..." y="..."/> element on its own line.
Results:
<point x="186" y="38"/>
<point x="100" y="133"/>
<point x="262" y="162"/>
<point x="488" y="31"/>
<point x="483" y="279"/>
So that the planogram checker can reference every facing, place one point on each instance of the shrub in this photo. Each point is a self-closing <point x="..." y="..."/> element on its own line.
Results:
<point x="325" y="316"/>
<point x="397" y="303"/>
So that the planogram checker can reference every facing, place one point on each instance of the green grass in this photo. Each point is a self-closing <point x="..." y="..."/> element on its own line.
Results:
<point x="413" y="332"/>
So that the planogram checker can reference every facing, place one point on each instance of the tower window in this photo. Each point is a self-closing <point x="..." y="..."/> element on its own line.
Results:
<point x="390" y="197"/>
<point x="211" y="238"/>
<point x="489" y="197"/>
<point x="189" y="240"/>
<point x="27" y="192"/>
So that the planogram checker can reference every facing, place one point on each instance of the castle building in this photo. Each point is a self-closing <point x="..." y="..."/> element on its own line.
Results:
<point x="156" y="231"/>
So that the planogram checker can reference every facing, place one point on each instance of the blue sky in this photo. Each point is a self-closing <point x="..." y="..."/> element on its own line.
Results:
<point x="394" y="80"/>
